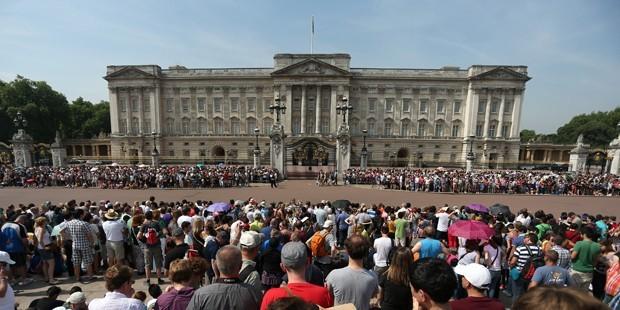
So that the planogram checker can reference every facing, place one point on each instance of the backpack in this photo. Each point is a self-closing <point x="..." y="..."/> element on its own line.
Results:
<point x="317" y="244"/>
<point x="152" y="238"/>
<point x="531" y="264"/>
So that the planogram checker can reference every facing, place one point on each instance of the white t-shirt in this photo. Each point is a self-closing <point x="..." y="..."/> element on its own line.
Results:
<point x="8" y="301"/>
<point x="444" y="220"/>
<point x="183" y="218"/>
<point x="494" y="254"/>
<point x="383" y="246"/>
<point x="113" y="230"/>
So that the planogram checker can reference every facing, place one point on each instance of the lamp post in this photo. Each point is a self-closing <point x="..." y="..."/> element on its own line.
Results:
<point x="256" y="150"/>
<point x="154" y="153"/>
<point x="470" y="155"/>
<point x="278" y="108"/>
<point x="364" y="160"/>
<point x="344" y="108"/>
<point x="19" y="121"/>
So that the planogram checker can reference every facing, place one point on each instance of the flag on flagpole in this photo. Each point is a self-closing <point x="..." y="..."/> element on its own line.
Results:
<point x="313" y="25"/>
<point x="312" y="37"/>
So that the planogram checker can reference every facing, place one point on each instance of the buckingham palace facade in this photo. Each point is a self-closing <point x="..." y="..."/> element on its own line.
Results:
<point x="409" y="117"/>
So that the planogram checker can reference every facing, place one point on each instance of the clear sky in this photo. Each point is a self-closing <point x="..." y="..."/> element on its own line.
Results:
<point x="572" y="48"/>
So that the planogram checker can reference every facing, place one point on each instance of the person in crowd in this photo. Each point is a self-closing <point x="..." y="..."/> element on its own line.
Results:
<point x="82" y="248"/>
<point x="115" y="234"/>
<point x="475" y="279"/>
<point x="210" y="252"/>
<point x="137" y="246"/>
<point x="228" y="292"/>
<point x="564" y="258"/>
<point x="443" y="221"/>
<point x="342" y="226"/>
<point x="551" y="274"/>
<point x="294" y="261"/>
<point x="249" y="243"/>
<point x="15" y="242"/>
<point x="519" y="258"/>
<point x="179" y="251"/>
<point x="149" y="234"/>
<point x="394" y="283"/>
<point x="154" y="292"/>
<point x="433" y="282"/>
<point x="584" y="256"/>
<point x="383" y="247"/>
<point x="323" y="247"/>
<point x="45" y="247"/>
<point x="179" y="296"/>
<point x="270" y="261"/>
<point x="353" y="284"/>
<point x="50" y="301"/>
<point x="76" y="301"/>
<point x="400" y="235"/>
<point x="429" y="246"/>
<point x="494" y="259"/>
<point x="7" y="295"/>
<point x="119" y="283"/>
<point x="553" y="298"/>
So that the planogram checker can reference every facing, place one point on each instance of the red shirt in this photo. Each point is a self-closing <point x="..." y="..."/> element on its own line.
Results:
<point x="311" y="293"/>
<point x="573" y="236"/>
<point x="477" y="303"/>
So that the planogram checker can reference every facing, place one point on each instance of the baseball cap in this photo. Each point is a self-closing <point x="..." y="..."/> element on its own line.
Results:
<point x="5" y="258"/>
<point x="294" y="254"/>
<point x="178" y="232"/>
<point x="476" y="274"/>
<point x="249" y="239"/>
<point x="76" y="298"/>
<point x="328" y="223"/>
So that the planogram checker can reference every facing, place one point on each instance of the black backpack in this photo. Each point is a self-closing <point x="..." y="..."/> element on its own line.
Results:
<point x="532" y="263"/>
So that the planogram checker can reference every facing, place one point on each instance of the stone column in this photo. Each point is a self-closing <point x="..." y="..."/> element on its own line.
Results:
<point x="317" y="128"/>
<point x="113" y="92"/>
<point x="500" y="119"/>
<point x="516" y="114"/>
<point x="256" y="154"/>
<point x="614" y="149"/>
<point x="333" y="121"/>
<point x="343" y="151"/>
<point x="303" y="109"/>
<point x="141" y="111"/>
<point x="154" y="110"/>
<point x="277" y="149"/>
<point x="288" y="117"/>
<point x="487" y="116"/>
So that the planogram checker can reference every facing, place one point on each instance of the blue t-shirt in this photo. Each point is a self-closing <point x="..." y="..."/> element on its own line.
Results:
<point x="552" y="276"/>
<point x="430" y="248"/>
<point x="11" y="238"/>
<point x="342" y="225"/>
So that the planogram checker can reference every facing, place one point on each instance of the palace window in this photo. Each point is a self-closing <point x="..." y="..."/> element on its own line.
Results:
<point x="251" y="104"/>
<point x="123" y="105"/>
<point x="217" y="105"/>
<point x="423" y="106"/>
<point x="146" y="105"/>
<point x="169" y="104"/>
<point x="267" y="124"/>
<point x="406" y="105"/>
<point x="202" y="102"/>
<point x="508" y="105"/>
<point x="134" y="104"/>
<point x="170" y="126"/>
<point x="235" y="127"/>
<point x="387" y="127"/>
<point x="438" y="130"/>
<point x="146" y="126"/>
<point x="455" y="130"/>
<point x="122" y="125"/>
<point x="185" y="105"/>
<point x="218" y="123"/>
<point x="441" y="106"/>
<point x="324" y="125"/>
<point x="371" y="127"/>
<point x="492" y="128"/>
<point x="202" y="125"/>
<point x="421" y="128"/>
<point x="404" y="128"/>
<point x="389" y="105"/>
<point x="234" y="104"/>
<point x="135" y="126"/>
<point x="479" y="129"/>
<point x="505" y="131"/>
<point x="185" y="126"/>
<point x="482" y="106"/>
<point x="457" y="107"/>
<point x="372" y="105"/>
<point x="494" y="106"/>
<point x="250" y="123"/>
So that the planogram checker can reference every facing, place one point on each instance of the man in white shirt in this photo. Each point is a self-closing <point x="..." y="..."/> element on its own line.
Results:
<point x="118" y="282"/>
<point x="115" y="233"/>
<point x="185" y="217"/>
<point x="443" y="221"/>
<point x="382" y="246"/>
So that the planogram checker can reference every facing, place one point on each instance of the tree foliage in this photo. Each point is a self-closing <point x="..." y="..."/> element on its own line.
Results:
<point x="598" y="129"/>
<point x="47" y="110"/>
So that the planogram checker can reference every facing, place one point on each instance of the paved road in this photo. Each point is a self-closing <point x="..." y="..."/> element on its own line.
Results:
<point x="307" y="190"/>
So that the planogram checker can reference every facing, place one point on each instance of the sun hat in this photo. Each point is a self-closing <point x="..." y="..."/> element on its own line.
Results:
<point x="111" y="214"/>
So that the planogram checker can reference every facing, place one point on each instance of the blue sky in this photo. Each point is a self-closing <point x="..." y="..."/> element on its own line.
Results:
<point x="572" y="48"/>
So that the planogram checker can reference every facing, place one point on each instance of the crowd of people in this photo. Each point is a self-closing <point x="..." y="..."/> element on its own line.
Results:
<point x="487" y="181"/>
<point x="137" y="177"/>
<point x="296" y="255"/>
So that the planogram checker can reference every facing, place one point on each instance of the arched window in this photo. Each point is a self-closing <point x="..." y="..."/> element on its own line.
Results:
<point x="405" y="127"/>
<point x="235" y="127"/>
<point x="135" y="126"/>
<point x="456" y="128"/>
<point x="170" y="126"/>
<point x="422" y="124"/>
<point x="371" y="124"/>
<point x="250" y="124"/>
<point x="388" y="125"/>
<point x="185" y="126"/>
<point x="355" y="126"/>
<point x="218" y="125"/>
<point x="267" y="124"/>
<point x="439" y="127"/>
<point x="202" y="125"/>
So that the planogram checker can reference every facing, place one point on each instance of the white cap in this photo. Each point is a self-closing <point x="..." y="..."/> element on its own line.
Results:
<point x="249" y="239"/>
<point x="76" y="298"/>
<point x="328" y="223"/>
<point x="476" y="274"/>
<point x="5" y="258"/>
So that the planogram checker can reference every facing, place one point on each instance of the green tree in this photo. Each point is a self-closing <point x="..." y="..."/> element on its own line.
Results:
<point x="527" y="135"/>
<point x="87" y="120"/>
<point x="44" y="108"/>
<point x="598" y="128"/>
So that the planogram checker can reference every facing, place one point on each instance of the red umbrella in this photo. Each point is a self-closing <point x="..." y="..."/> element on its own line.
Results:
<point x="469" y="229"/>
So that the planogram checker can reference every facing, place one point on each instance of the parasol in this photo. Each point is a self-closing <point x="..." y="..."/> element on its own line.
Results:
<point x="498" y="208"/>
<point x="219" y="207"/>
<point x="476" y="207"/>
<point x="469" y="229"/>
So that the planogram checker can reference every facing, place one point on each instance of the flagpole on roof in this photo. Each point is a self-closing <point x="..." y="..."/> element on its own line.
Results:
<point x="312" y="35"/>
